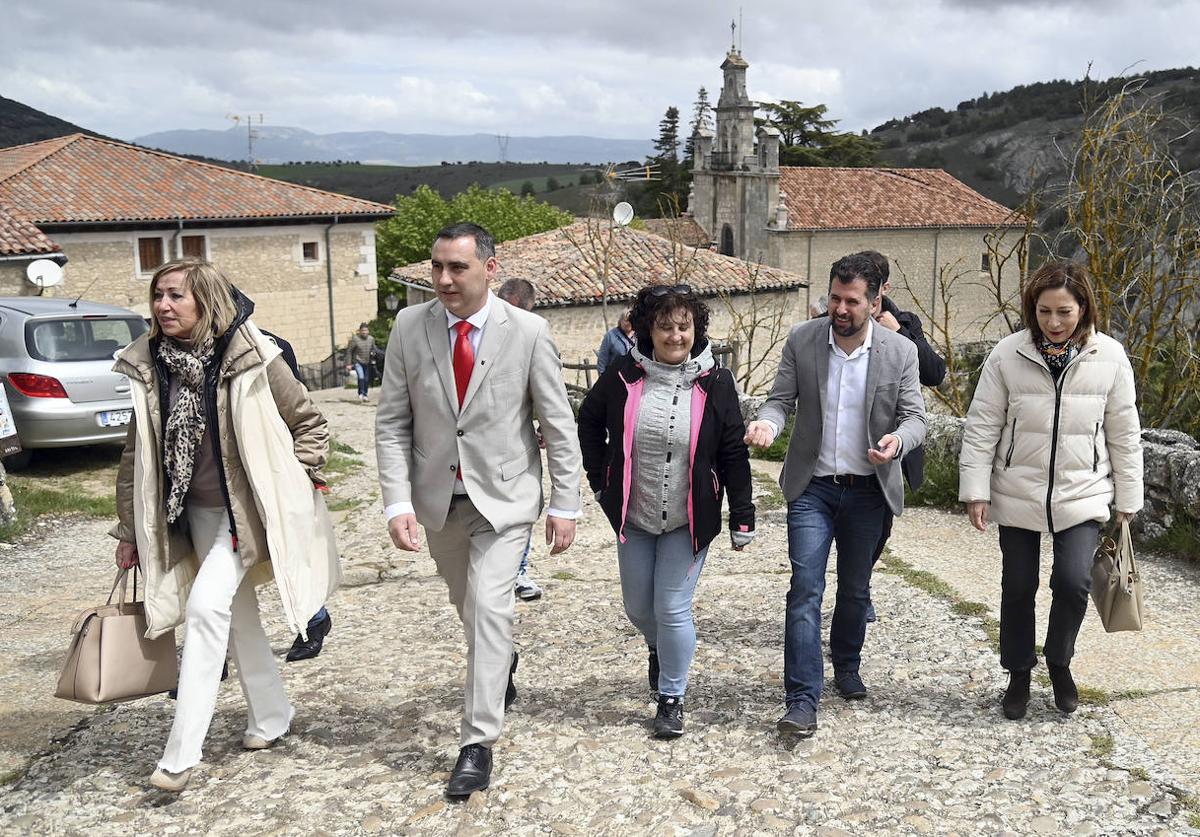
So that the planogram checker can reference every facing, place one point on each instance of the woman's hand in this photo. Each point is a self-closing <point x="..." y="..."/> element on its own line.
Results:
<point x="1123" y="517"/>
<point x="978" y="514"/>
<point x="127" y="555"/>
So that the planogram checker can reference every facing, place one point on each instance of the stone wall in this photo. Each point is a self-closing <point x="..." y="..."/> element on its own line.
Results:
<point x="290" y="292"/>
<point x="1171" y="463"/>
<point x="12" y="279"/>
<point x="917" y="259"/>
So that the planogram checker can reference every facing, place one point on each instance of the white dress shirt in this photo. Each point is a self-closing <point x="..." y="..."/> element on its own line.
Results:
<point x="844" y="434"/>
<point x="478" y="320"/>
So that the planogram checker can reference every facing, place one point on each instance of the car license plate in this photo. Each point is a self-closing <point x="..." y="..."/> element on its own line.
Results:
<point x="114" y="418"/>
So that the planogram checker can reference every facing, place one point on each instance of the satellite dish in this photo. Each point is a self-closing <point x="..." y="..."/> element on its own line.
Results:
<point x="44" y="273"/>
<point x="623" y="213"/>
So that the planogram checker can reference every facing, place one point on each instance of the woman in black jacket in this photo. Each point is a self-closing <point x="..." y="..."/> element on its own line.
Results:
<point x="662" y="440"/>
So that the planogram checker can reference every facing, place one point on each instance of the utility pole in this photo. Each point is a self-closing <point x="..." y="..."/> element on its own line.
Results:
<point x="251" y="136"/>
<point x="502" y="141"/>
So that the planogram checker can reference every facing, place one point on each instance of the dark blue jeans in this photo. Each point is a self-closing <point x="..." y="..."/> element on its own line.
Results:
<point x="853" y="518"/>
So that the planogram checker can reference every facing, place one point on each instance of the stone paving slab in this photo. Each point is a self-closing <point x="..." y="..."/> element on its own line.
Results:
<point x="377" y="717"/>
<point x="1161" y="662"/>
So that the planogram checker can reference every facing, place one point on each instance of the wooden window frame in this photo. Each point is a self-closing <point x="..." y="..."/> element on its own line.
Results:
<point x="162" y="253"/>
<point x="316" y="246"/>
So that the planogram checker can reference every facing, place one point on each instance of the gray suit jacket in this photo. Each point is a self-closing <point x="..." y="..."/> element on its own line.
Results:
<point x="421" y="436"/>
<point x="894" y="403"/>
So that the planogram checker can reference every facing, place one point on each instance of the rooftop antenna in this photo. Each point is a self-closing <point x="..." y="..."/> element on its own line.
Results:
<point x="741" y="30"/>
<point x="251" y="136"/>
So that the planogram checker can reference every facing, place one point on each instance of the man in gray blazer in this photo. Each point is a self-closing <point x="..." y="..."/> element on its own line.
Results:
<point x="465" y="376"/>
<point x="857" y="398"/>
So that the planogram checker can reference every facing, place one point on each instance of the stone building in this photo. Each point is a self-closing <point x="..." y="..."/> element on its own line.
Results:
<point x="565" y="265"/>
<point x="114" y="212"/>
<point x="931" y="226"/>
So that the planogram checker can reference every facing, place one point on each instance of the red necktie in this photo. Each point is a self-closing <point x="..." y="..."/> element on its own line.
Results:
<point x="464" y="359"/>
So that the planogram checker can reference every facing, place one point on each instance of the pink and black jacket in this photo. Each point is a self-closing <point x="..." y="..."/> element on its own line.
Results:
<point x="717" y="455"/>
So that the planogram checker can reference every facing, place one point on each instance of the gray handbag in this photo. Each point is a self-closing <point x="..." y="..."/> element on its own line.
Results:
<point x="110" y="658"/>
<point x="1116" y="585"/>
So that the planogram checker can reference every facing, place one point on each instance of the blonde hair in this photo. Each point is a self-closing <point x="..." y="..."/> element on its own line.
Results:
<point x="211" y="290"/>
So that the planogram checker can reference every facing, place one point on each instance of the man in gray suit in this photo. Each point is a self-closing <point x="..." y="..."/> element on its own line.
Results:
<point x="858" y="406"/>
<point x="465" y="376"/>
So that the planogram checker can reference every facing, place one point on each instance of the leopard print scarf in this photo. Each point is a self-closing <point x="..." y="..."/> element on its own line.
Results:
<point x="185" y="418"/>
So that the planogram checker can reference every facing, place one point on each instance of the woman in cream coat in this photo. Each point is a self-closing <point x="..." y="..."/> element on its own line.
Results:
<point x="216" y="492"/>
<point x="1051" y="442"/>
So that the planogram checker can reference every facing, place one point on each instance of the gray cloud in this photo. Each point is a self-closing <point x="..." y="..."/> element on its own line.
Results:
<point x="129" y="67"/>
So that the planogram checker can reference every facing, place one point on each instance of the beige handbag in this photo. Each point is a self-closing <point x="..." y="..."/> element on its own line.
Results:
<point x="110" y="658"/>
<point x="1116" y="585"/>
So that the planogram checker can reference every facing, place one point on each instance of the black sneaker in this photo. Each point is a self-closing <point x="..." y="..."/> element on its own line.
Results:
<point x="652" y="672"/>
<point x="668" y="722"/>
<point x="799" y="720"/>
<point x="1016" y="696"/>
<point x="849" y="685"/>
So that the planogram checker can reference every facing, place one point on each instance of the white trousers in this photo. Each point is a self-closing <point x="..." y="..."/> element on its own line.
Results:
<point x="479" y="566"/>
<point x="222" y="613"/>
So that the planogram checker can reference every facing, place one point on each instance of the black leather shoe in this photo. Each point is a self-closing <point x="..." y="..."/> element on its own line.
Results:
<point x="472" y="772"/>
<point x="173" y="694"/>
<point x="1016" y="696"/>
<point x="849" y="685"/>
<point x="799" y="720"/>
<point x="1066" y="695"/>
<point x="668" y="722"/>
<point x="652" y="672"/>
<point x="306" y="649"/>
<point x="510" y="694"/>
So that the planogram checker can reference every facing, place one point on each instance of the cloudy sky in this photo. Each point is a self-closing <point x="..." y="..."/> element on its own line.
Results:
<point x="539" y="67"/>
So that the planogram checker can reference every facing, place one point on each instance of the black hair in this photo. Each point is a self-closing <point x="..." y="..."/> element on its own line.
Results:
<point x="485" y="244"/>
<point x="858" y="266"/>
<point x="518" y="292"/>
<point x="656" y="303"/>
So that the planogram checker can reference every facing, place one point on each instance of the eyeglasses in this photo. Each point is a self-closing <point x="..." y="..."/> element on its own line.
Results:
<point x="663" y="290"/>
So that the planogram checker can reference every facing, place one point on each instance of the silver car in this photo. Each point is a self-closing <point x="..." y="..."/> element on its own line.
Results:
<point x="56" y="360"/>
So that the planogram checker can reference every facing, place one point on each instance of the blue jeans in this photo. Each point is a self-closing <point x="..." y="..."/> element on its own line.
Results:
<point x="317" y="619"/>
<point x="521" y="570"/>
<point x="363" y="371"/>
<point x="658" y="576"/>
<point x="825" y="513"/>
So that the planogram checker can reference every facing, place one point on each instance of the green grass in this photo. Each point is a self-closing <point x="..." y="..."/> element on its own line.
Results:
<point x="1194" y="820"/>
<point x="564" y="575"/>
<point x="934" y="586"/>
<point x="1140" y="773"/>
<point x="940" y="488"/>
<point x="341" y="447"/>
<point x="778" y="449"/>
<point x="539" y="183"/>
<point x="343" y="459"/>
<point x="769" y="496"/>
<point x="1181" y="539"/>
<point x="34" y="501"/>
<point x="1102" y="746"/>
<point x="345" y="504"/>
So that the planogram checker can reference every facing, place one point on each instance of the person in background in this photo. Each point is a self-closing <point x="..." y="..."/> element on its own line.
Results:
<point x="1052" y="444"/>
<point x="231" y="466"/>
<point x="523" y="294"/>
<point x="661" y="481"/>
<point x="359" y="353"/>
<point x="931" y="371"/>
<point x="616" y="343"/>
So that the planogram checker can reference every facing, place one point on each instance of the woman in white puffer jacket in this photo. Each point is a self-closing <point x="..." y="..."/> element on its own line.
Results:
<point x="1052" y="441"/>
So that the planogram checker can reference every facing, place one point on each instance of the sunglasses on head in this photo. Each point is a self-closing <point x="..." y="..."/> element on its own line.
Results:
<point x="663" y="290"/>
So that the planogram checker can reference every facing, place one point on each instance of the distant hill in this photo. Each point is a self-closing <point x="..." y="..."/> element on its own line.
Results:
<point x="384" y="183"/>
<point x="1001" y="144"/>
<point x="21" y="124"/>
<point x="282" y="145"/>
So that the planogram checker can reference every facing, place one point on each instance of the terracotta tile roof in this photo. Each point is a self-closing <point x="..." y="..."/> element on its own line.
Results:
<point x="565" y="277"/>
<point x="21" y="238"/>
<point x="82" y="179"/>
<point x="687" y="231"/>
<point x="879" y="198"/>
